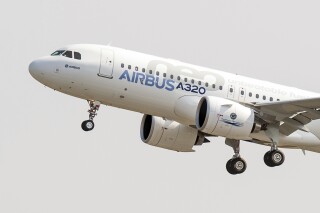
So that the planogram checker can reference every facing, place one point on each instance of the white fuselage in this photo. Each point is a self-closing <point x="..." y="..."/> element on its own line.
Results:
<point x="153" y="85"/>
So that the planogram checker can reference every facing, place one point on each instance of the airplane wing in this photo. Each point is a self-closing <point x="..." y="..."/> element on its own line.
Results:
<point x="293" y="115"/>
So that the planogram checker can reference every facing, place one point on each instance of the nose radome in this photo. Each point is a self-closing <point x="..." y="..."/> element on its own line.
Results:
<point x="35" y="69"/>
<point x="32" y="67"/>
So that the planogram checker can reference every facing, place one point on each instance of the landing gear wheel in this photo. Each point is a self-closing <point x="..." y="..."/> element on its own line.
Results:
<point x="87" y="125"/>
<point x="236" y="166"/>
<point x="229" y="167"/>
<point x="266" y="159"/>
<point x="274" y="158"/>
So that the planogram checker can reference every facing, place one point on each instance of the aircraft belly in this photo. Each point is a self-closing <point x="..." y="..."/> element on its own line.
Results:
<point x="139" y="98"/>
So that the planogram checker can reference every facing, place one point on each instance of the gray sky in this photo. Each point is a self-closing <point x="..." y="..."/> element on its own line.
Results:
<point x="48" y="164"/>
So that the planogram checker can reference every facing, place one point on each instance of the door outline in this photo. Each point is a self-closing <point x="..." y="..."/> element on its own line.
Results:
<point x="106" y="63"/>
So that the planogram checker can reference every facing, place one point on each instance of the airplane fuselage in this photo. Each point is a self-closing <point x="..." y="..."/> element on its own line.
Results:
<point x="157" y="86"/>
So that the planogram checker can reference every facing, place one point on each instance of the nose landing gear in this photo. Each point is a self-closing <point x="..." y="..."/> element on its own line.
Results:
<point x="88" y="125"/>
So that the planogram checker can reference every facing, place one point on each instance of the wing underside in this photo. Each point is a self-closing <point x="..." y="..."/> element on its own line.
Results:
<point x="292" y="115"/>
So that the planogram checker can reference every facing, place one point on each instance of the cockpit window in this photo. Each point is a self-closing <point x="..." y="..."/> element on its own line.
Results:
<point x="67" y="54"/>
<point x="58" y="52"/>
<point x="77" y="55"/>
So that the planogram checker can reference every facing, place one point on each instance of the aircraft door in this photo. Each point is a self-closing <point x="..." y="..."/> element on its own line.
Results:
<point x="106" y="63"/>
<point x="242" y="95"/>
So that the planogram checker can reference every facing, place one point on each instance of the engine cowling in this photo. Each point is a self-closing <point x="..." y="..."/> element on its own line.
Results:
<point x="223" y="117"/>
<point x="170" y="135"/>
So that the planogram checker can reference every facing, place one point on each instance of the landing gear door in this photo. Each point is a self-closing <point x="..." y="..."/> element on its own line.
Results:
<point x="106" y="63"/>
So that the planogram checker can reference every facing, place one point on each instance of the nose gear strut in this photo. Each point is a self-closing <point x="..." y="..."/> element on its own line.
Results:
<point x="88" y="125"/>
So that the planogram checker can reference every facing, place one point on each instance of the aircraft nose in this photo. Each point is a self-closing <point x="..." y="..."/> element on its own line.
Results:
<point x="35" y="69"/>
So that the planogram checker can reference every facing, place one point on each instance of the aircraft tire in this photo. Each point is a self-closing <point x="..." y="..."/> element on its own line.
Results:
<point x="267" y="158"/>
<point x="274" y="158"/>
<point x="87" y="125"/>
<point x="236" y="166"/>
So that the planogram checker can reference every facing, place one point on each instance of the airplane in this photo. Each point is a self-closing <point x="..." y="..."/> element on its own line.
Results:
<point x="184" y="104"/>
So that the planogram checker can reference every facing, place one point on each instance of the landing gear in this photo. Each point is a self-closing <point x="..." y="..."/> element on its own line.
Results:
<point x="274" y="158"/>
<point x="236" y="165"/>
<point x="88" y="125"/>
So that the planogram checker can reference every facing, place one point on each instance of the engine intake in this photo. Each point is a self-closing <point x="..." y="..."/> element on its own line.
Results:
<point x="170" y="135"/>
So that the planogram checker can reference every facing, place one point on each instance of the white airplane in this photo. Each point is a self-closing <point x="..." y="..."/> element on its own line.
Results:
<point x="183" y="103"/>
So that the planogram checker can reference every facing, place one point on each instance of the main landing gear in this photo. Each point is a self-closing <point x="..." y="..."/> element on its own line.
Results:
<point x="236" y="165"/>
<point x="88" y="125"/>
<point x="274" y="158"/>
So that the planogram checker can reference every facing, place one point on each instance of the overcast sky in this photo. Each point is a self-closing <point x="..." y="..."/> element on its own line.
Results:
<point x="48" y="164"/>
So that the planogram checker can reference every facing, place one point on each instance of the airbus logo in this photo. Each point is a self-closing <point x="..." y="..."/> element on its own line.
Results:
<point x="152" y="81"/>
<point x="72" y="67"/>
<point x="148" y="80"/>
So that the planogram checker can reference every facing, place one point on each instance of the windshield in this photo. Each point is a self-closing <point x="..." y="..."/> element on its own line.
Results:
<point x="58" y="52"/>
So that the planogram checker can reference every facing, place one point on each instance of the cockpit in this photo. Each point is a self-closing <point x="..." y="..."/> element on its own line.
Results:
<point x="67" y="53"/>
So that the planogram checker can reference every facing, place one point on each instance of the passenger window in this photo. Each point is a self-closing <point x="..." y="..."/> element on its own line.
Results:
<point x="185" y="79"/>
<point x="178" y="78"/>
<point x="220" y="87"/>
<point x="250" y="94"/>
<point x="171" y="76"/>
<point x="264" y="97"/>
<point x="199" y="82"/>
<point x="271" y="99"/>
<point x="231" y="89"/>
<point x="122" y="65"/>
<point x="150" y="71"/>
<point x="278" y="99"/>
<point x="213" y="86"/>
<point x="207" y="84"/>
<point x="77" y="56"/>
<point x="242" y="92"/>
<point x="143" y="70"/>
<point x="157" y="73"/>
<point x="67" y="54"/>
<point x="192" y="81"/>
<point x="129" y="67"/>
<point x="164" y="75"/>
<point x="136" y="69"/>
<point x="257" y="95"/>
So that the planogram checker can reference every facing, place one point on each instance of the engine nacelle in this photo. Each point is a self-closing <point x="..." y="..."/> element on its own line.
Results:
<point x="223" y="117"/>
<point x="167" y="134"/>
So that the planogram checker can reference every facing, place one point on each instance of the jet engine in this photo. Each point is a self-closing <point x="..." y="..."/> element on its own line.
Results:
<point x="168" y="134"/>
<point x="226" y="118"/>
